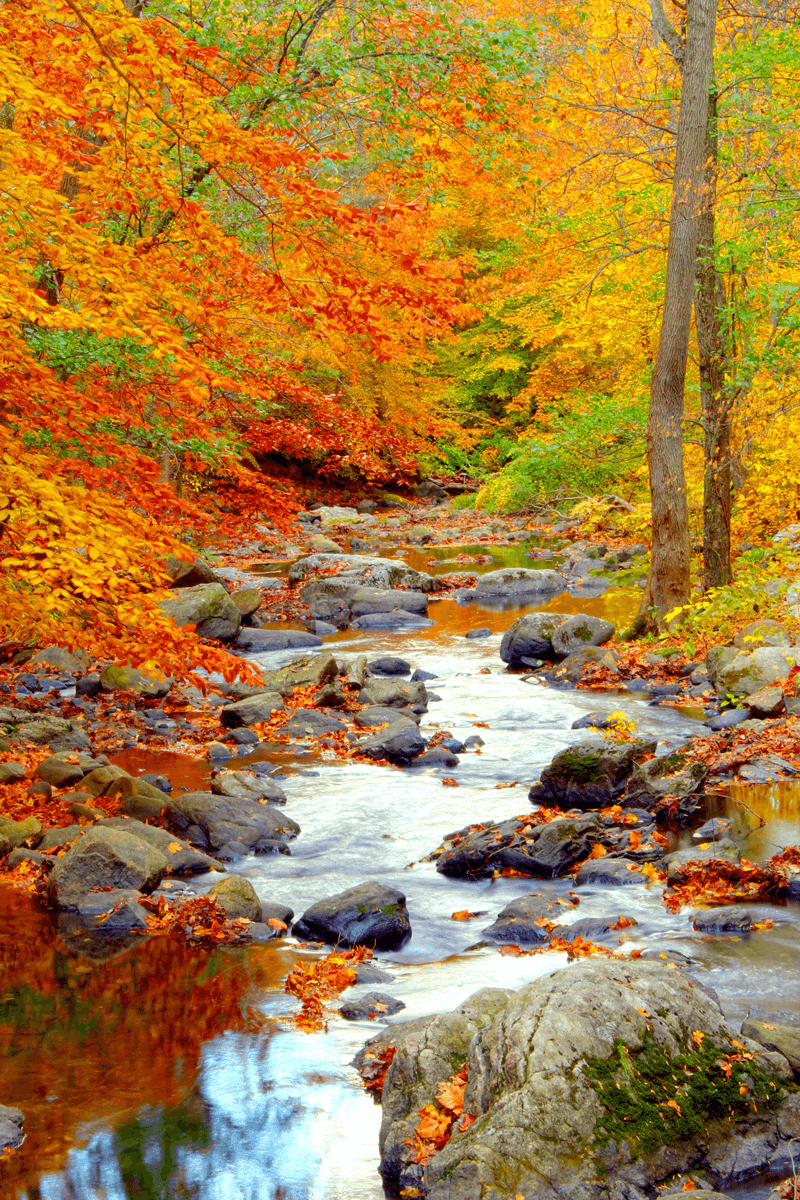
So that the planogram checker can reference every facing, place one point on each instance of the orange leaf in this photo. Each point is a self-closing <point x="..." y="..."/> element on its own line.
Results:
<point x="174" y="847"/>
<point x="276" y="923"/>
<point x="463" y="915"/>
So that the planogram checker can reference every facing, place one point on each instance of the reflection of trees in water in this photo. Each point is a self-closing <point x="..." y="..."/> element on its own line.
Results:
<point x="97" y="1041"/>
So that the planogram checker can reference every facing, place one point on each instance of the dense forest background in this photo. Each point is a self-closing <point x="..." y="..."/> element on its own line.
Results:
<point x="254" y="251"/>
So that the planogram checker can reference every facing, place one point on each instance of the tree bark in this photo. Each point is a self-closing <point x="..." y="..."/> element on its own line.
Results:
<point x="715" y="387"/>
<point x="669" y="580"/>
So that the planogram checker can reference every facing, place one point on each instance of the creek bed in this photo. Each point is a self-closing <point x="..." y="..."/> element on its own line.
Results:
<point x="140" y="1077"/>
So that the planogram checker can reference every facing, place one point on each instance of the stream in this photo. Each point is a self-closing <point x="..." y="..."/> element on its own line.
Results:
<point x="167" y="1073"/>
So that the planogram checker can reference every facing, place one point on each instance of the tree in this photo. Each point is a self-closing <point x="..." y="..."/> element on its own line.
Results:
<point x="668" y="584"/>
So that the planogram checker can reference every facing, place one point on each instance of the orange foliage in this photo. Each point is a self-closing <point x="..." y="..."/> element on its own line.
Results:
<point x="315" y="983"/>
<point x="437" y="1120"/>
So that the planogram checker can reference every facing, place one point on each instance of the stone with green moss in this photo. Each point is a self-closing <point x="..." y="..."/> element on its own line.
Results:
<point x="589" y="774"/>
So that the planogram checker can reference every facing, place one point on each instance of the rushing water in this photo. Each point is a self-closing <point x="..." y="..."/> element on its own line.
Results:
<point x="163" y="1073"/>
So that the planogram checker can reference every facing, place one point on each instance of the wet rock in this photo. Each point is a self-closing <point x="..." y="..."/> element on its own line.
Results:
<point x="398" y="619"/>
<point x="478" y="633"/>
<point x="11" y="1121"/>
<point x="377" y="714"/>
<point x="665" y="776"/>
<point x="679" y="860"/>
<point x="365" y="600"/>
<point x="270" y="846"/>
<point x="394" y="693"/>
<point x="218" y="752"/>
<point x="534" y="1060"/>
<point x="589" y="929"/>
<point x="724" y="920"/>
<point x="388" y="665"/>
<point x="232" y="852"/>
<point x="332" y="695"/>
<point x="240" y="737"/>
<point x="182" y="859"/>
<point x="728" y="718"/>
<point x="525" y="921"/>
<point x="580" y="631"/>
<point x="421" y="676"/>
<point x="400" y="742"/>
<point x="369" y="973"/>
<point x="97" y="782"/>
<point x="763" y="632"/>
<point x="589" y="774"/>
<point x="308" y="722"/>
<point x="370" y="1006"/>
<point x="223" y="819"/>
<point x="370" y="914"/>
<point x="518" y="581"/>
<point x="609" y="872"/>
<point x="440" y="756"/>
<point x="542" y="851"/>
<point x="594" y="720"/>
<point x="22" y="854"/>
<point x="303" y="672"/>
<point x="120" y="910"/>
<point x="260" y="640"/>
<point x="238" y="897"/>
<point x="248" y="785"/>
<point x="274" y="910"/>
<point x="777" y="1031"/>
<point x="103" y="858"/>
<point x="251" y="711"/>
<point x="119" y="677"/>
<point x="713" y="830"/>
<point x="572" y="667"/>
<point x="767" y="702"/>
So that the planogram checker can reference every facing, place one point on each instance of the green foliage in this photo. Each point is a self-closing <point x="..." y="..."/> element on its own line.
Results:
<point x="588" y="453"/>
<point x="651" y="1100"/>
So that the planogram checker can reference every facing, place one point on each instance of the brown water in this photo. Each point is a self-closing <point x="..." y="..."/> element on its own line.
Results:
<point x="164" y="1073"/>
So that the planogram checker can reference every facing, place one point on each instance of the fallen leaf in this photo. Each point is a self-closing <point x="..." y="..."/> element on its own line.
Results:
<point x="463" y="915"/>
<point x="174" y="847"/>
<point x="277" y="923"/>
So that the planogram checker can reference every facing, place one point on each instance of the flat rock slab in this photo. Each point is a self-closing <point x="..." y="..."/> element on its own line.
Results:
<point x="370" y="914"/>
<point x="223" y="819"/>
<point x="260" y="640"/>
<point x="248" y="785"/>
<point x="252" y="711"/>
<point x="308" y="722"/>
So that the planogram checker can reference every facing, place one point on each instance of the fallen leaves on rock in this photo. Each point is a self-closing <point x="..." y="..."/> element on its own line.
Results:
<point x="436" y="1121"/>
<point x="200" y="922"/>
<point x="315" y="983"/>
<point x="373" y="1067"/>
<point x="718" y="882"/>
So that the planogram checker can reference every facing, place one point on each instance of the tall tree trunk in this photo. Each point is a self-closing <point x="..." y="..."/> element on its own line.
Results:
<point x="715" y="392"/>
<point x="669" y="581"/>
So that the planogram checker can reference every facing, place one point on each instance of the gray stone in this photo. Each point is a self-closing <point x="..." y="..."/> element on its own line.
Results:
<point x="370" y="914"/>
<point x="767" y="702"/>
<point x="273" y="910"/>
<point x="308" y="722"/>
<point x="14" y="833"/>
<point x="190" y="573"/>
<point x="251" y="711"/>
<point x="377" y="714"/>
<point x="361" y="569"/>
<point x="238" y="897"/>
<point x="371" y="1005"/>
<point x="73" y="662"/>
<point x="777" y="1031"/>
<point x="44" y="731"/>
<point x="260" y="640"/>
<point x="728" y="718"/>
<point x="389" y="665"/>
<point x="399" y="742"/>
<point x="530" y="637"/>
<point x="440" y="756"/>
<point x="609" y="872"/>
<point x="665" y="776"/>
<point x="11" y="772"/>
<point x="247" y="601"/>
<point x="324" y="545"/>
<point x="519" y="581"/>
<point x="578" y="632"/>
<point x="572" y="667"/>
<point x="103" y="857"/>
<point x="540" y="1115"/>
<point x="204" y="603"/>
<point x="119" y="677"/>
<point x="763" y="632"/>
<point x="247" y="784"/>
<point x="182" y="859"/>
<point x="59" y="772"/>
<point x="677" y="862"/>
<point x="53" y="838"/>
<point x="525" y="921"/>
<point x="11" y="1135"/>
<point x="365" y="600"/>
<point x="224" y="819"/>
<point x="398" y="618"/>
<point x="542" y="851"/>
<point x="724" y="920"/>
<point x="749" y="672"/>
<point x="117" y="911"/>
<point x="589" y="774"/>
<point x="393" y="693"/>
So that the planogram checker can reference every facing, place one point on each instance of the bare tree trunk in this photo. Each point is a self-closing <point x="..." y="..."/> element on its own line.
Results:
<point x="709" y="306"/>
<point x="669" y="581"/>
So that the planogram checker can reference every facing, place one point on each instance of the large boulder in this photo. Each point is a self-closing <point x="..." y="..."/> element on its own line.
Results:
<point x="526" y="921"/>
<point x="669" y="775"/>
<point x="580" y="631"/>
<point x="519" y="581"/>
<point x="222" y="819"/>
<point x="304" y="672"/>
<point x="57" y="658"/>
<point x="598" y="1080"/>
<point x="776" y="1031"/>
<point x="530" y="637"/>
<point x="119" y="677"/>
<point x="252" y="711"/>
<point x="400" y="742"/>
<point x="44" y="731"/>
<point x="589" y="774"/>
<point x="207" y="606"/>
<point x="763" y="632"/>
<point x="397" y="618"/>
<point x="370" y="914"/>
<point x="750" y="671"/>
<point x="182" y="859"/>
<point x="105" y="858"/>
